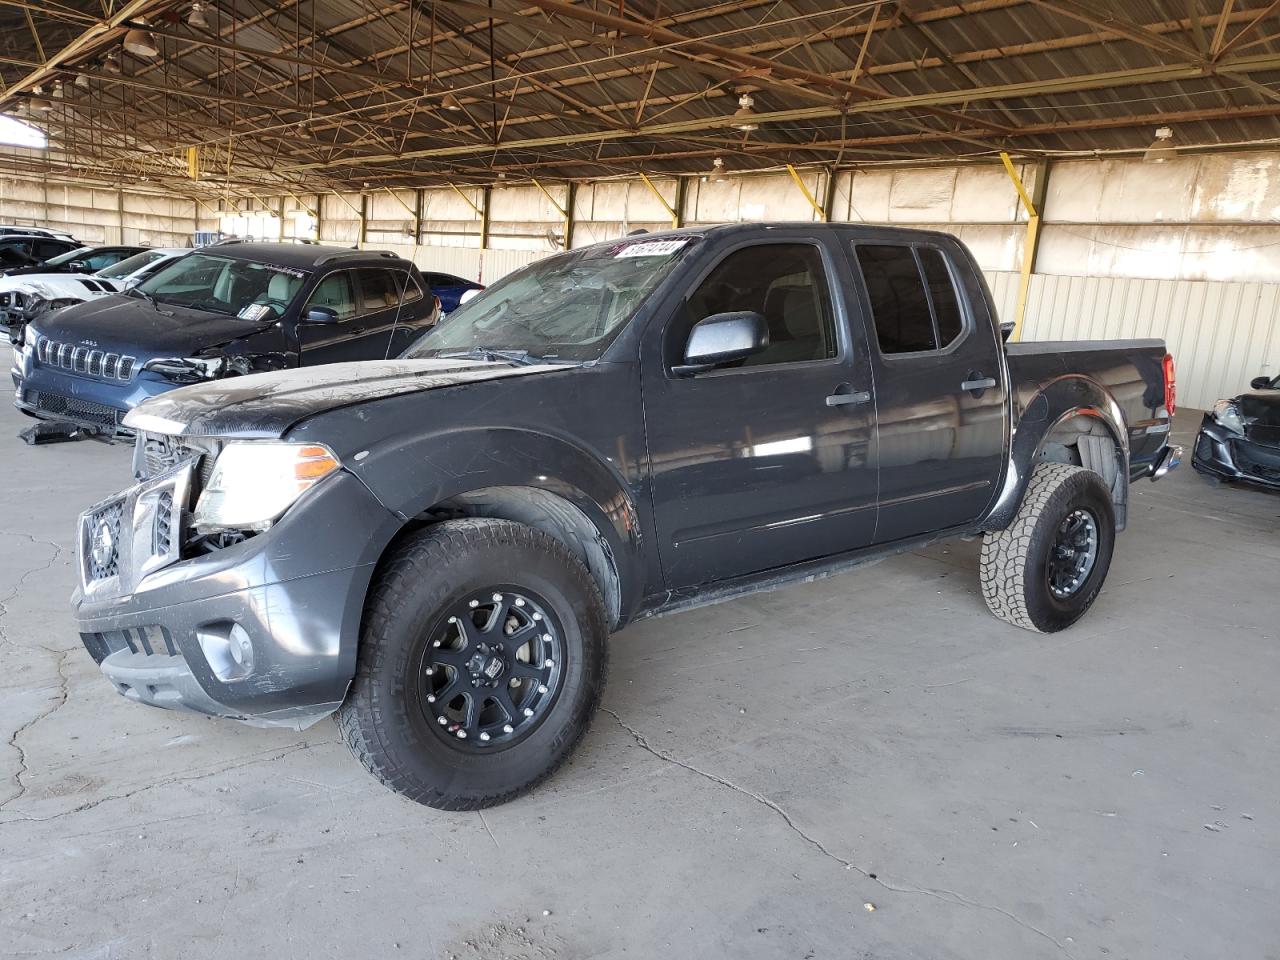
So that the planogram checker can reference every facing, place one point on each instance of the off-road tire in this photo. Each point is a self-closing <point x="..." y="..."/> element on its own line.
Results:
<point x="381" y="718"/>
<point x="1014" y="583"/>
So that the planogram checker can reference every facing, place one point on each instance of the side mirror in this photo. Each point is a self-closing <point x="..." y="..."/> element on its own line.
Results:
<point x="1260" y="383"/>
<point x="1006" y="330"/>
<point x="723" y="338"/>
<point x="79" y="266"/>
<point x="320" y="315"/>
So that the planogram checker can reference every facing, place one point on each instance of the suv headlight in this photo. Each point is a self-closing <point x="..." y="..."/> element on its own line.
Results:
<point x="1228" y="415"/>
<point x="29" y="336"/>
<point x="254" y="482"/>
<point x="187" y="369"/>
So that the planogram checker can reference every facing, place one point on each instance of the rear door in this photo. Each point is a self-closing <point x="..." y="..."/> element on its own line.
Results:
<point x="391" y="303"/>
<point x="940" y="395"/>
<point x="755" y="466"/>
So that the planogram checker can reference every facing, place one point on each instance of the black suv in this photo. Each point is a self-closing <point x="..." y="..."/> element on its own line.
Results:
<point x="27" y="250"/>
<point x="218" y="312"/>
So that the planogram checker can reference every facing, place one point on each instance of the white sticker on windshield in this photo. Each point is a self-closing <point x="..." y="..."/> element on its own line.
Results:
<point x="254" y="311"/>
<point x="650" y="248"/>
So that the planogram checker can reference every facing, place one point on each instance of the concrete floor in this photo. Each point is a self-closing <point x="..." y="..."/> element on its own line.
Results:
<point x="762" y="775"/>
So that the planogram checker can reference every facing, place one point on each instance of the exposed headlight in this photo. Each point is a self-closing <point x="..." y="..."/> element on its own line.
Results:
<point x="187" y="369"/>
<point x="1228" y="415"/>
<point x="254" y="482"/>
<point x="29" y="336"/>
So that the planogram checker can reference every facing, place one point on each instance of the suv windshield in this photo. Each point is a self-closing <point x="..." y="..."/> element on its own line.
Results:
<point x="242" y="288"/>
<point x="130" y="265"/>
<point x="566" y="307"/>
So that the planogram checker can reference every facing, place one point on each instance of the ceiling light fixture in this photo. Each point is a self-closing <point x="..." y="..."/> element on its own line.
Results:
<point x="112" y="62"/>
<point x="1161" y="148"/>
<point x="717" y="174"/>
<point x="197" y="18"/>
<point x="37" y="103"/>
<point x="450" y="102"/>
<point x="141" y="43"/>
<point x="82" y="81"/>
<point x="744" y="118"/>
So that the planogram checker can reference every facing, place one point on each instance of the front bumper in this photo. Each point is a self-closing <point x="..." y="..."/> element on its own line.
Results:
<point x="98" y="404"/>
<point x="1228" y="456"/>
<point x="293" y="594"/>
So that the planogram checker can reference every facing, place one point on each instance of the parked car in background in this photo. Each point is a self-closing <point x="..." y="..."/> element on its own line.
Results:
<point x="26" y="296"/>
<point x="78" y="260"/>
<point x="25" y="250"/>
<point x="438" y="546"/>
<point x="1239" y="438"/>
<point x="217" y="312"/>
<point x="449" y="289"/>
<point x="11" y="229"/>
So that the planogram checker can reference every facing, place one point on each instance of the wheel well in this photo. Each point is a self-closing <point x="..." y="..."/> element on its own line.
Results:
<point x="1089" y="442"/>
<point x="545" y="511"/>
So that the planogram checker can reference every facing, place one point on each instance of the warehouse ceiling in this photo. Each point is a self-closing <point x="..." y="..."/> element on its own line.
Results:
<point x="300" y="95"/>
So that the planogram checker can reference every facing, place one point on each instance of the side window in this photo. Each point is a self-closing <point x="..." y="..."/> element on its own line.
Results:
<point x="44" y="249"/>
<point x="412" y="292"/>
<point x="335" y="292"/>
<point x="946" y="308"/>
<point x="784" y="282"/>
<point x="902" y="289"/>
<point x="104" y="259"/>
<point x="379" y="289"/>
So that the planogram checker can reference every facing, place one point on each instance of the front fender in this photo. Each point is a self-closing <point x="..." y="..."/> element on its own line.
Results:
<point x="1048" y="409"/>
<point x="410" y="476"/>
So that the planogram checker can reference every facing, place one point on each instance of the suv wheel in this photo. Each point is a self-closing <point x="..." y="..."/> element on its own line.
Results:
<point x="482" y="659"/>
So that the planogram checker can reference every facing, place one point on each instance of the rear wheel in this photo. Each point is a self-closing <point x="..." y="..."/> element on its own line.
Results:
<point x="1046" y="568"/>
<point x="482" y="660"/>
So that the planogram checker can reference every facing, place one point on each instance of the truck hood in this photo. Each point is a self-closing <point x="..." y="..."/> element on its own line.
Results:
<point x="266" y="405"/>
<point x="133" y="327"/>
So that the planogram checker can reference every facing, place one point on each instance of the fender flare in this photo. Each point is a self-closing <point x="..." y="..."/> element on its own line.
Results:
<point x="1057" y="403"/>
<point x="411" y="478"/>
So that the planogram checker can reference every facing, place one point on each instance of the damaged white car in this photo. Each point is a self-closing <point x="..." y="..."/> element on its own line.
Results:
<point x="23" y="298"/>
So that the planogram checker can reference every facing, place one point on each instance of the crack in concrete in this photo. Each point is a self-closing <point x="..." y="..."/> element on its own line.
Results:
<point x="946" y="896"/>
<point x="264" y="757"/>
<point x="59" y="699"/>
<point x="4" y="601"/>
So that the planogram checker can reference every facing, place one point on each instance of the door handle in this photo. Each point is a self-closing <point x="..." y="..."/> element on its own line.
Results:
<point x="841" y="399"/>
<point x="986" y="383"/>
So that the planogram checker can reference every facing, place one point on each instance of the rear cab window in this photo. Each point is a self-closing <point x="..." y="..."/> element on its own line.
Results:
<point x="914" y="304"/>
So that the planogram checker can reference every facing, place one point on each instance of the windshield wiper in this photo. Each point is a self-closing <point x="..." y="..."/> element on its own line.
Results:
<point x="146" y="296"/>
<point x="522" y="357"/>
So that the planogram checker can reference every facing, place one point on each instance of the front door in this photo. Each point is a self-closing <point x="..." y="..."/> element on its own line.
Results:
<point x="766" y="463"/>
<point x="940" y="395"/>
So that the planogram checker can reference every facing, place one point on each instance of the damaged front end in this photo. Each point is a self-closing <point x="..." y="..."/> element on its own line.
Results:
<point x="1240" y="440"/>
<point x="243" y="620"/>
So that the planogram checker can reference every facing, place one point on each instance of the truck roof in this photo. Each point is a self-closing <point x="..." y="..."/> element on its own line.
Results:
<point x="721" y="229"/>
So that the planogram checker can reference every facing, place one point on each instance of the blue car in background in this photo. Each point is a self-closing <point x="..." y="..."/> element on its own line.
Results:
<point x="449" y="289"/>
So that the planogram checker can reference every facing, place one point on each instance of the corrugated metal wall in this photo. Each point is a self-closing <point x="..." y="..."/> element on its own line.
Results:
<point x="1221" y="335"/>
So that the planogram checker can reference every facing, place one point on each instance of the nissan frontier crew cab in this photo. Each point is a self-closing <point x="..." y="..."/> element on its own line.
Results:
<point x="436" y="547"/>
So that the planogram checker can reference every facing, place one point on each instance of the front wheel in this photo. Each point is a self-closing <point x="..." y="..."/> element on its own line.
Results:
<point x="482" y="659"/>
<point x="1046" y="568"/>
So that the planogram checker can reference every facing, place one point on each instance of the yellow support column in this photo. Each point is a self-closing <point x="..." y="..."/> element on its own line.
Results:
<point x="1032" y="242"/>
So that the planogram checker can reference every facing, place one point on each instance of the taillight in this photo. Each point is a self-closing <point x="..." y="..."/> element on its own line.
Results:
<point x="1170" y="385"/>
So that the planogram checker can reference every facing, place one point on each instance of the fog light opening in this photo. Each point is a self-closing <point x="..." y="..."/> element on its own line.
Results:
<point x="227" y="648"/>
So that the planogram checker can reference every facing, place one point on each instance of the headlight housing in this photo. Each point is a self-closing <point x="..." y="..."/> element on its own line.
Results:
<point x="254" y="482"/>
<point x="187" y="369"/>
<point x="1228" y="415"/>
<point x="29" y="336"/>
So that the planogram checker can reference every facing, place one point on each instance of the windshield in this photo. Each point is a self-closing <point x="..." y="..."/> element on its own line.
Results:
<point x="130" y="265"/>
<point x="67" y="257"/>
<point x="240" y="288"/>
<point x="566" y="307"/>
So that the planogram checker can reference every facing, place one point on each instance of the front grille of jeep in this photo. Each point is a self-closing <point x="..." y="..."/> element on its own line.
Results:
<point x="90" y="362"/>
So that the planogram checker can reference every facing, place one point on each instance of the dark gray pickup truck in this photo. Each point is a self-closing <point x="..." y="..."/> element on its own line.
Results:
<point x="437" y="547"/>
